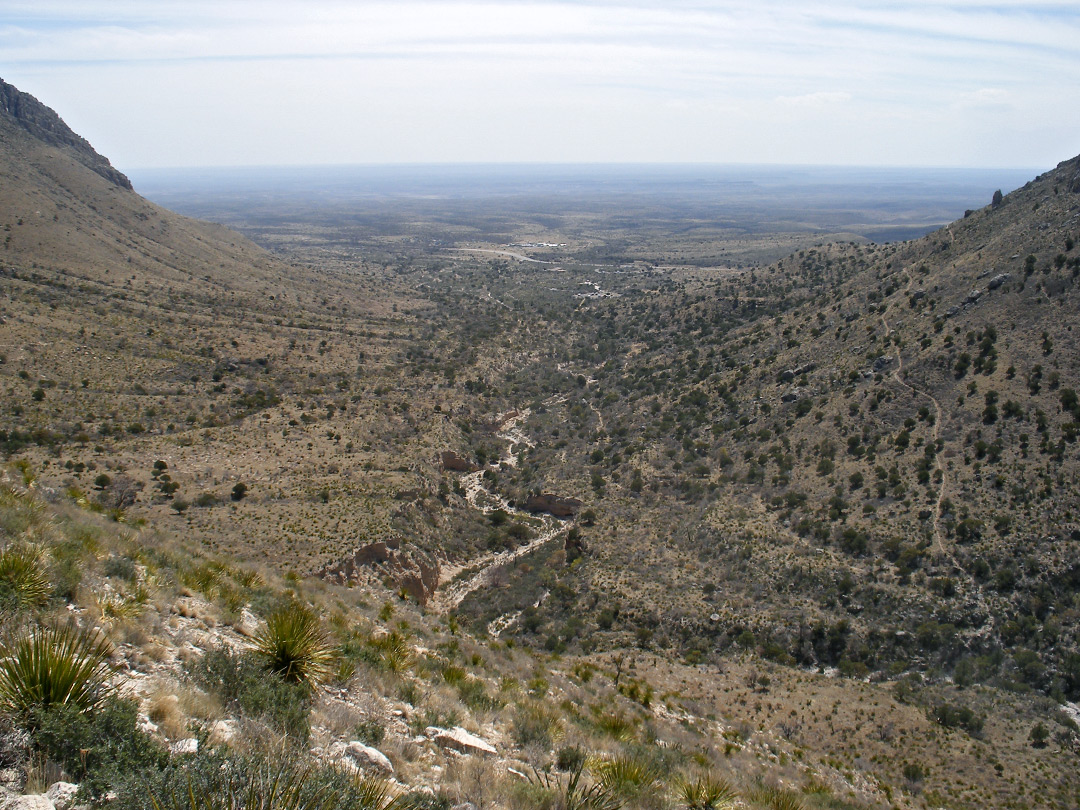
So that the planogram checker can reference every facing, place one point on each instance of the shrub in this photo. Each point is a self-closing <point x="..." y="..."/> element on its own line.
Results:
<point x="293" y="646"/>
<point x="214" y="780"/>
<point x="23" y="581"/>
<point x="534" y="724"/>
<point x="239" y="491"/>
<point x="95" y="748"/>
<point x="50" y="666"/>
<point x="243" y="684"/>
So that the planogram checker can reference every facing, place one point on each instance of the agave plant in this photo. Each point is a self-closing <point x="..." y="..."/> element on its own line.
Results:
<point x="706" y="793"/>
<point x="294" y="646"/>
<point x="49" y="666"/>
<point x="23" y="581"/>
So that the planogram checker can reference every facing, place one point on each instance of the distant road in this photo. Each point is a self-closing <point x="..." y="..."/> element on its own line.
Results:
<point x="511" y="254"/>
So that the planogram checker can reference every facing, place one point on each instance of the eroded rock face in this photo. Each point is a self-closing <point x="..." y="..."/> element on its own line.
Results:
<point x="453" y="462"/>
<point x="552" y="504"/>
<point x="411" y="569"/>
<point x="44" y="124"/>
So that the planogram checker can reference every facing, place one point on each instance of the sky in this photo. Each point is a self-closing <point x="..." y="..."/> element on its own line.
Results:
<point x="158" y="83"/>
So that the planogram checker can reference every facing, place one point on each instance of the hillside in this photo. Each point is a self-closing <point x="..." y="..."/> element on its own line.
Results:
<point x="808" y="527"/>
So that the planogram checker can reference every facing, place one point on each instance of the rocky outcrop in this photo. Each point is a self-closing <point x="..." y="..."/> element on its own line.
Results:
<point x="552" y="504"/>
<point x="454" y="463"/>
<point x="458" y="739"/>
<point x="997" y="281"/>
<point x="45" y="125"/>
<point x="411" y="569"/>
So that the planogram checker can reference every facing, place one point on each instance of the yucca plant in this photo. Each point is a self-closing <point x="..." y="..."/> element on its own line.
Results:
<point x="706" y="793"/>
<point x="575" y="793"/>
<point x="294" y="646"/>
<point x="50" y="666"/>
<point x="23" y="580"/>
<point x="629" y="776"/>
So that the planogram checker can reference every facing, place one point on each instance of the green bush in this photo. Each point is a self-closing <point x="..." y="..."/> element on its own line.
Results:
<point x="95" y="748"/>
<point x="49" y="666"/>
<point x="215" y="780"/>
<point x="243" y="684"/>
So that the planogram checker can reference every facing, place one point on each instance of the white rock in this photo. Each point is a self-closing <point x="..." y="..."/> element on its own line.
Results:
<point x="223" y="731"/>
<point x="373" y="757"/>
<point x="37" y="801"/>
<point x="62" y="794"/>
<point x="459" y="739"/>
<point x="188" y="746"/>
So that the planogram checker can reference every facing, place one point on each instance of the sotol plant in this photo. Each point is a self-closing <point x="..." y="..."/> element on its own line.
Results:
<point x="50" y="666"/>
<point x="294" y="646"/>
<point x="23" y="581"/>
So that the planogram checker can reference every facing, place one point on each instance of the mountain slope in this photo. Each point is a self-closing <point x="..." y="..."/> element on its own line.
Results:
<point x="862" y="456"/>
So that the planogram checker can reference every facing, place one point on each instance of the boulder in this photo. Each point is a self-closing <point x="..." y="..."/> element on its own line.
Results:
<point x="882" y="362"/>
<point x="787" y="376"/>
<point x="973" y="296"/>
<point x="458" y="739"/>
<point x="953" y="310"/>
<point x="62" y="794"/>
<point x="368" y="757"/>
<point x="790" y="396"/>
<point x="998" y="280"/>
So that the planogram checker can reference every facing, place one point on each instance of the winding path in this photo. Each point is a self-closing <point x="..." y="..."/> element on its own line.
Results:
<point x="938" y="544"/>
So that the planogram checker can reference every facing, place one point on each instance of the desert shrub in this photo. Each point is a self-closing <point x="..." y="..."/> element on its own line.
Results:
<point x="95" y="748"/>
<point x="571" y="758"/>
<point x="215" y="780"/>
<point x="48" y="666"/>
<point x="244" y="684"/>
<point x="119" y="567"/>
<point x="370" y="732"/>
<point x="535" y="724"/>
<point x="24" y="582"/>
<point x="776" y="798"/>
<point x="294" y="646"/>
<point x="952" y="715"/>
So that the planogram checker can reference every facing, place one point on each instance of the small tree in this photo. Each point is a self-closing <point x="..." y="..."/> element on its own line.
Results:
<point x="1039" y="735"/>
<point x="239" y="491"/>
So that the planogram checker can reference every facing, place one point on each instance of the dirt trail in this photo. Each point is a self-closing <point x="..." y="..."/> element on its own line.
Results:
<point x="453" y="587"/>
<point x="896" y="375"/>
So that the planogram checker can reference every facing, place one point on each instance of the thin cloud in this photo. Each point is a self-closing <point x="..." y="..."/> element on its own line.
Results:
<point x="615" y="69"/>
